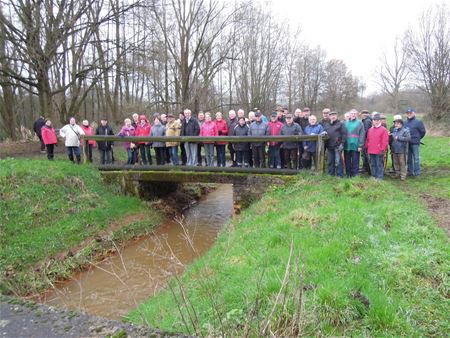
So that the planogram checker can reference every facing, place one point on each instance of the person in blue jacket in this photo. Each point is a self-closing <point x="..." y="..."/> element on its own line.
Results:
<point x="309" y="147"/>
<point x="417" y="132"/>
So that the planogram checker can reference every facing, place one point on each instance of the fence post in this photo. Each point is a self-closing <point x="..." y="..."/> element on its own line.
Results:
<point x="320" y="153"/>
<point x="85" y="151"/>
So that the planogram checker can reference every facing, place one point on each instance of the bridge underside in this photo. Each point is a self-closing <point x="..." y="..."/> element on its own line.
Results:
<point x="185" y="174"/>
<point x="157" y="181"/>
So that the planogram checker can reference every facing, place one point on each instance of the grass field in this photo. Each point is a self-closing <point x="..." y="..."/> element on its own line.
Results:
<point x="322" y="257"/>
<point x="49" y="207"/>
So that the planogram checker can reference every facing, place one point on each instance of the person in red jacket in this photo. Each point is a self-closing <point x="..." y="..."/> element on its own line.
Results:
<point x="143" y="129"/>
<point x="88" y="132"/>
<point x="222" y="129"/>
<point x="209" y="128"/>
<point x="376" y="144"/>
<point x="275" y="126"/>
<point x="49" y="138"/>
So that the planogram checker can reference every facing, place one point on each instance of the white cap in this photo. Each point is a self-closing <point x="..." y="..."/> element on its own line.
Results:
<point x="398" y="118"/>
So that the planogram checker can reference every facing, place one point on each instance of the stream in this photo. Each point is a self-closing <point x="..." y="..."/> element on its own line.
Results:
<point x="118" y="284"/>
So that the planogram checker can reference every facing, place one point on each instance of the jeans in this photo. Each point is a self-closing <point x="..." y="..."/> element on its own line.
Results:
<point x="199" y="153"/>
<point x="414" y="159"/>
<point x="221" y="160"/>
<point x="74" y="151"/>
<point x="291" y="158"/>
<point x="105" y="156"/>
<point x="209" y="154"/>
<point x="50" y="148"/>
<point x="274" y="157"/>
<point x="242" y="157"/>
<point x="173" y="151"/>
<point x="232" y="153"/>
<point x="351" y="162"/>
<point x="258" y="156"/>
<point x="183" y="154"/>
<point x="160" y="153"/>
<point x="377" y="165"/>
<point x="334" y="163"/>
<point x="144" y="150"/>
<point x="191" y="153"/>
<point x="130" y="154"/>
<point x="89" y="153"/>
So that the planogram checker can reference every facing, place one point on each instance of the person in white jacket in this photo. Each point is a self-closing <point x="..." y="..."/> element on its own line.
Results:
<point x="71" y="133"/>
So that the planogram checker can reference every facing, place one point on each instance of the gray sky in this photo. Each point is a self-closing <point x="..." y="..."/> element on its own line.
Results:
<point x="355" y="31"/>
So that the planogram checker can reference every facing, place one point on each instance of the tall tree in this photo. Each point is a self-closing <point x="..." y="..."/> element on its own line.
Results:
<point x="393" y="72"/>
<point x="428" y="45"/>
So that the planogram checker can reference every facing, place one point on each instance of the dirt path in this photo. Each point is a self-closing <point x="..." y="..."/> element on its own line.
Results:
<point x="440" y="209"/>
<point x="27" y="319"/>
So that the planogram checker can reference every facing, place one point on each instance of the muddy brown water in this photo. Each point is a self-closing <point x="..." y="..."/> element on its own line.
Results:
<point x="117" y="285"/>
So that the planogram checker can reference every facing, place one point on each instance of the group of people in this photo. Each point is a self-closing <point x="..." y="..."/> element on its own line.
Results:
<point x="359" y="135"/>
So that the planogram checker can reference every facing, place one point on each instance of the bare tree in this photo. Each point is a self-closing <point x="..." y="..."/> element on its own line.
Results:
<point x="393" y="72"/>
<point x="428" y="46"/>
<point x="340" y="89"/>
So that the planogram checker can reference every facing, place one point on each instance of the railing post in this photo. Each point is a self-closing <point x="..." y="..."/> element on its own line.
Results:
<point x="85" y="151"/>
<point x="320" y="153"/>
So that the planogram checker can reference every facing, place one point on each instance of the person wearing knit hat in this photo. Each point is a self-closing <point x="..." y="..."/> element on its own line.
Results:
<point x="400" y="136"/>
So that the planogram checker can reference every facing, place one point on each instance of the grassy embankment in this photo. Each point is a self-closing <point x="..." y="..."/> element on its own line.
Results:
<point x="48" y="208"/>
<point x="367" y="259"/>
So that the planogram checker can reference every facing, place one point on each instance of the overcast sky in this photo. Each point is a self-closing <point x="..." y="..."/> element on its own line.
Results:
<point x="355" y="31"/>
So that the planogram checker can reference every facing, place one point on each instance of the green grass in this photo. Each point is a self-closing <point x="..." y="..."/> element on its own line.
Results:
<point x="371" y="261"/>
<point x="48" y="207"/>
<point x="435" y="152"/>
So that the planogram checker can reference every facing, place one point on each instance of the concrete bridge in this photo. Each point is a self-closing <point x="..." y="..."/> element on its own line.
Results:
<point x="149" y="181"/>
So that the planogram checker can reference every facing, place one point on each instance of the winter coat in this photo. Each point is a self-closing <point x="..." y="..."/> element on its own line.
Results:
<point x="71" y="135"/>
<point x="104" y="130"/>
<point x="173" y="129"/>
<point x="190" y="128"/>
<point x="355" y="135"/>
<point x="416" y="129"/>
<point x="158" y="130"/>
<point x="325" y="123"/>
<point x="231" y="124"/>
<point x="48" y="135"/>
<point x="275" y="130"/>
<point x="399" y="140"/>
<point x="127" y="131"/>
<point x="258" y="129"/>
<point x="143" y="130"/>
<point x="312" y="130"/>
<point x="222" y="129"/>
<point x="367" y="123"/>
<point x="293" y="129"/>
<point x="241" y="131"/>
<point x="88" y="132"/>
<point x="209" y="129"/>
<point x="37" y="126"/>
<point x="302" y="121"/>
<point x="377" y="140"/>
<point x="337" y="134"/>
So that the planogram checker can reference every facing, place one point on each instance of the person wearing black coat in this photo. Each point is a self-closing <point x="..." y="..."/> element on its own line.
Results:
<point x="37" y="127"/>
<point x="242" y="148"/>
<point x="417" y="132"/>
<point x="367" y="123"/>
<point x="232" y="122"/>
<point x="337" y="134"/>
<point x="105" y="147"/>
